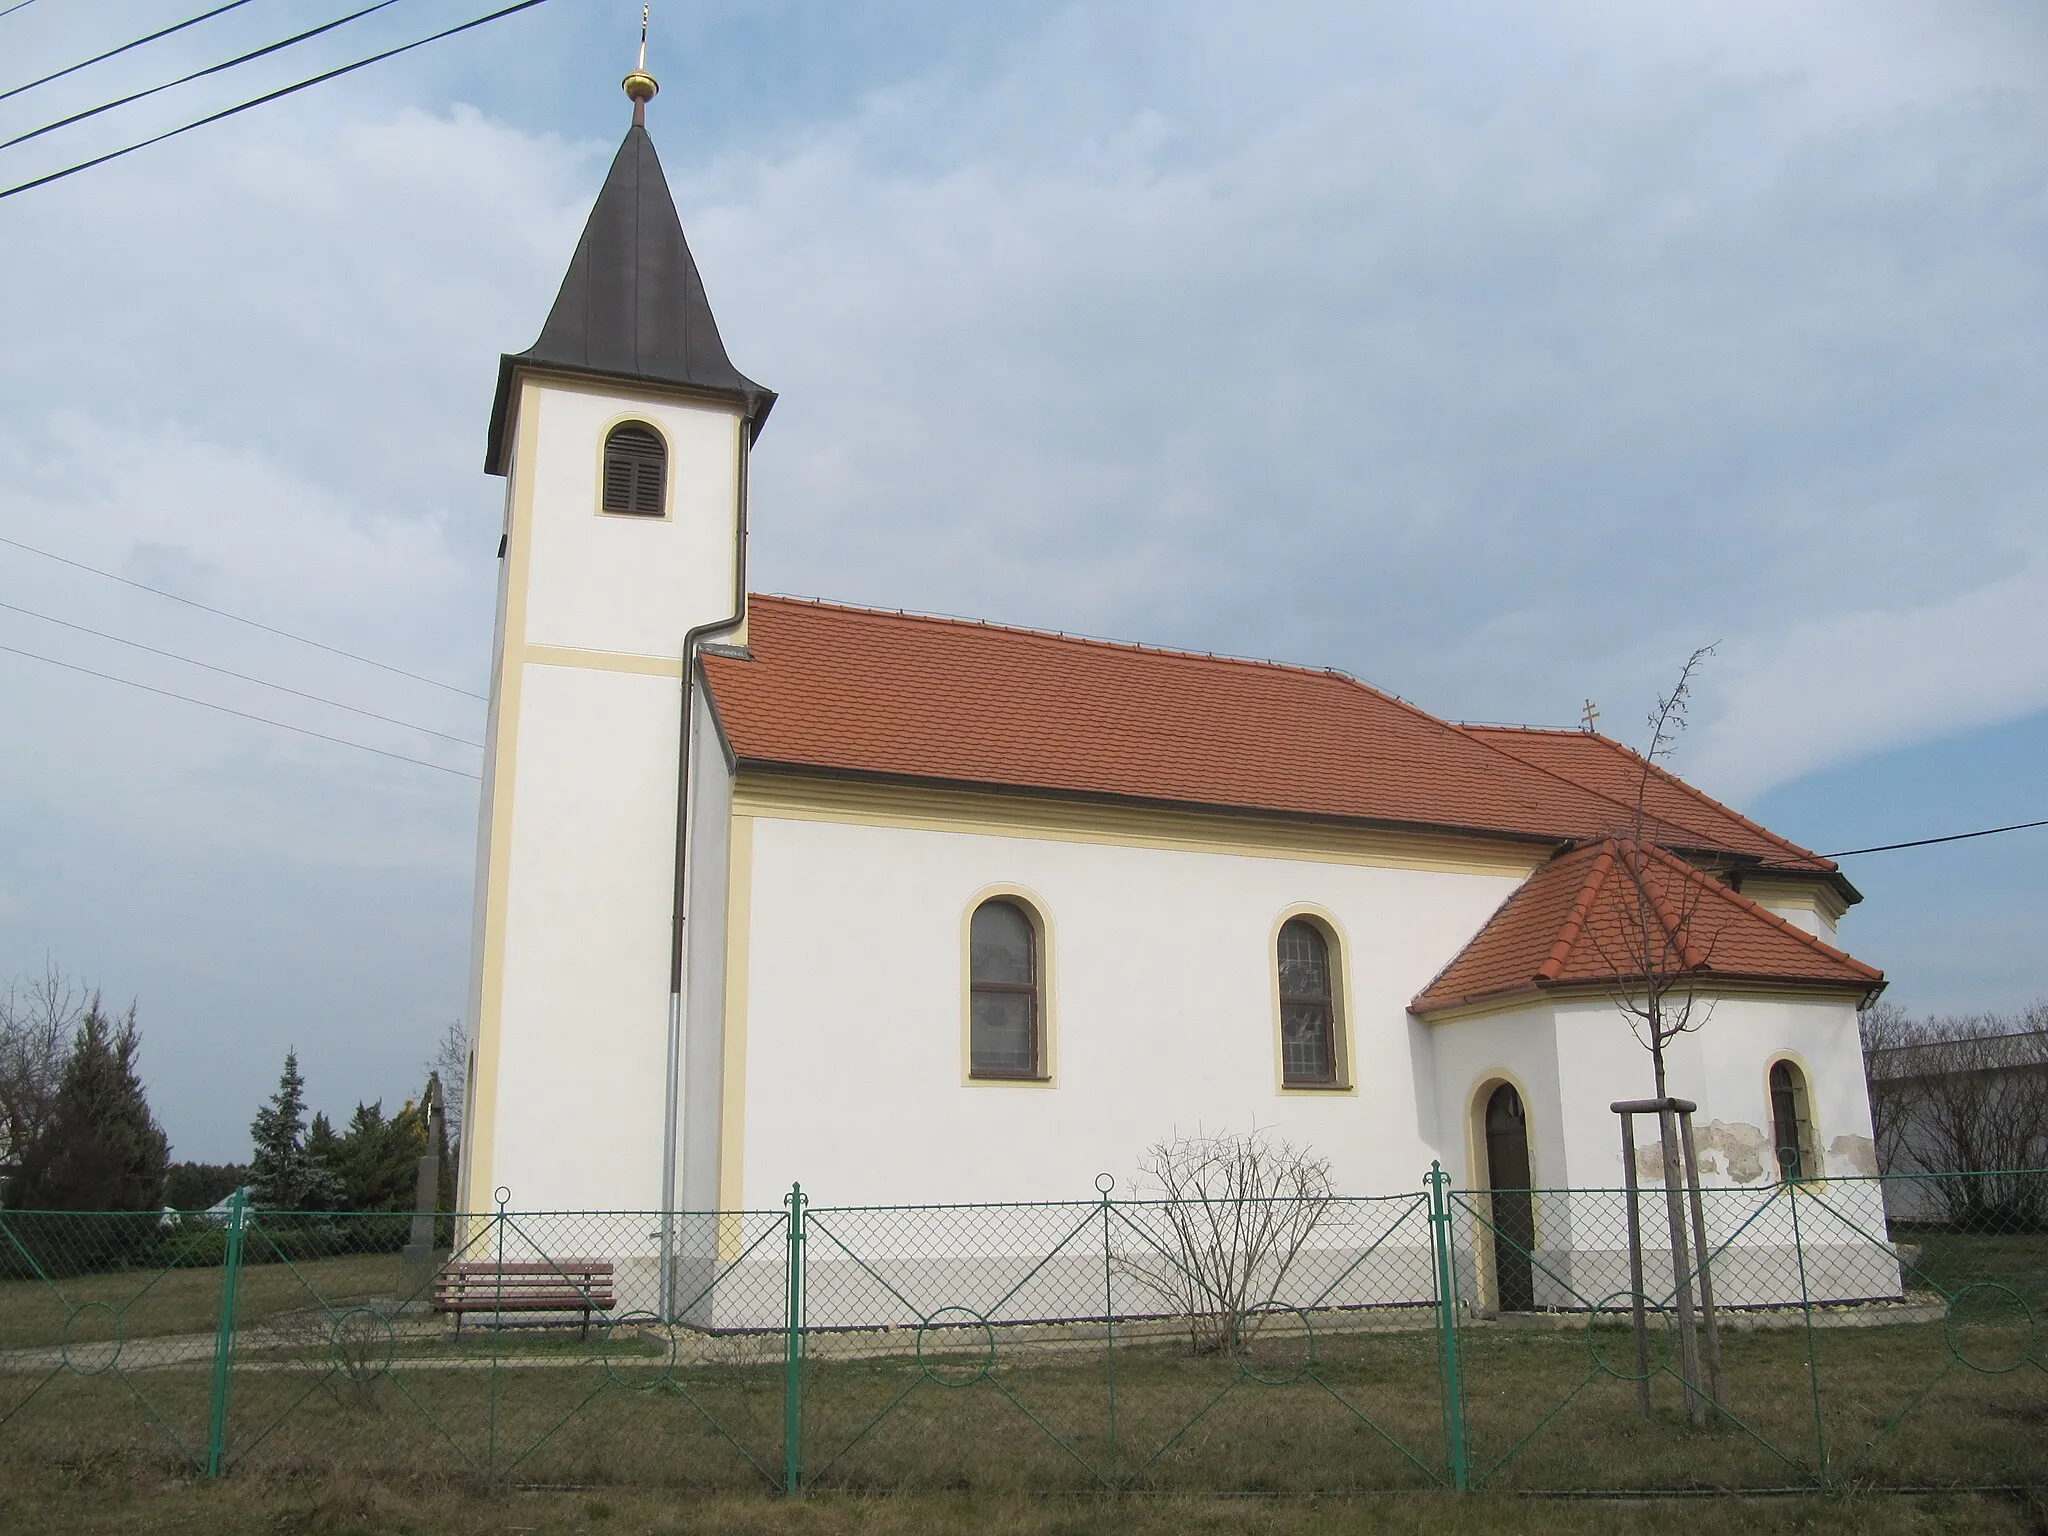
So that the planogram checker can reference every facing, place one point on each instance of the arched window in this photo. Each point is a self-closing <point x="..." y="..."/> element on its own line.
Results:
<point x="635" y="470"/>
<point x="1791" y="1122"/>
<point x="1004" y="1017"/>
<point x="1308" y="1008"/>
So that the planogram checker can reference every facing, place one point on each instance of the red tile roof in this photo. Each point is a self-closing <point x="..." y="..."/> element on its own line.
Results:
<point x="861" y="691"/>
<point x="1582" y="920"/>
<point x="1608" y="768"/>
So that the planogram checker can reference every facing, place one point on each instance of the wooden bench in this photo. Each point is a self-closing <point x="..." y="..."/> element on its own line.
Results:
<point x="554" y="1285"/>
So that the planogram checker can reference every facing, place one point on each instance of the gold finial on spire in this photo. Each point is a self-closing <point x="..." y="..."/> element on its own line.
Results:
<point x="639" y="84"/>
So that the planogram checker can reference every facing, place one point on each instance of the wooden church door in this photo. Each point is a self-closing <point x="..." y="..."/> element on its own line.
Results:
<point x="1514" y="1210"/>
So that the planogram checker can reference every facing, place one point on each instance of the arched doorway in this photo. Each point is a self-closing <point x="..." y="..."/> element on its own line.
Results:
<point x="1514" y="1208"/>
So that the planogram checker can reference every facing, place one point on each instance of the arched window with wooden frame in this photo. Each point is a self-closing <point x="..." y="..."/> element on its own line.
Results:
<point x="1006" y="1003"/>
<point x="1311" y="1029"/>
<point x="1792" y="1144"/>
<point x="635" y="471"/>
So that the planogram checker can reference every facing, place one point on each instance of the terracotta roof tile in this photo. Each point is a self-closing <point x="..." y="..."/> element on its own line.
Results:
<point x="856" y="690"/>
<point x="1577" y="921"/>
<point x="1609" y="768"/>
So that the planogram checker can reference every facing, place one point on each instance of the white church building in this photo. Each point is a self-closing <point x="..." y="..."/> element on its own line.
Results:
<point x="919" y="910"/>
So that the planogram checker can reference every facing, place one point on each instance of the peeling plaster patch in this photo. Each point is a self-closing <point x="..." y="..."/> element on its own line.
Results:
<point x="1741" y="1145"/>
<point x="1728" y="1151"/>
<point x="1855" y="1154"/>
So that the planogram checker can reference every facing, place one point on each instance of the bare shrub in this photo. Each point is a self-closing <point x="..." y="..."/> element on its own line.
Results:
<point x="1965" y="1095"/>
<point x="1237" y="1212"/>
<point x="39" y="1016"/>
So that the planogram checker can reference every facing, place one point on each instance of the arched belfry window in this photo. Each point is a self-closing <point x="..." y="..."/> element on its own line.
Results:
<point x="635" y="471"/>
<point x="1308" y="1007"/>
<point x="1791" y="1122"/>
<point x="1005" y="1013"/>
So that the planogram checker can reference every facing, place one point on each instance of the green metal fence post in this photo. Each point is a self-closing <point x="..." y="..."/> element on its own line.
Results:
<point x="503" y="1196"/>
<point x="793" y="1347"/>
<point x="224" y="1339"/>
<point x="1820" y="1423"/>
<point x="1447" y="1328"/>
<point x="1104" y="1183"/>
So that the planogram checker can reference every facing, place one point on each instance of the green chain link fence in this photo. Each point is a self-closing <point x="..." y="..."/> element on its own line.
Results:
<point x="1866" y="1332"/>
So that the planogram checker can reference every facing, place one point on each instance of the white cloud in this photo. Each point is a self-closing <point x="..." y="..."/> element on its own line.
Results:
<point x="1499" y="355"/>
<point x="1835" y="688"/>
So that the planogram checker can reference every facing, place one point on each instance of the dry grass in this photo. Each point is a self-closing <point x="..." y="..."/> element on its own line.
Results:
<point x="1896" y="1409"/>
<point x="125" y="1496"/>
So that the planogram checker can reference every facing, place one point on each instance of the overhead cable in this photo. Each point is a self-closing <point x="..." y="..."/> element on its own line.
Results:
<point x="190" y="661"/>
<point x="240" y="714"/>
<point x="270" y="96"/>
<point x="101" y="58"/>
<point x="269" y="629"/>
<point x="19" y="5"/>
<point x="197" y="74"/>
<point x="1928" y="842"/>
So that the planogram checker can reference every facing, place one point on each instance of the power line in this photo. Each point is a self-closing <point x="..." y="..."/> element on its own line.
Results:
<point x="270" y="96"/>
<point x="340" y="741"/>
<point x="20" y="5"/>
<point x="268" y="629"/>
<point x="367" y="714"/>
<point x="1928" y="842"/>
<point x="101" y="58"/>
<point x="197" y="74"/>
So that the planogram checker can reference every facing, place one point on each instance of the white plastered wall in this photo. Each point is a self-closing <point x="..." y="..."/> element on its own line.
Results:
<point x="1161" y="977"/>
<point x="576" y="880"/>
<point x="1574" y="1058"/>
<point x="704" y="964"/>
<point x="583" y="1027"/>
<point x="631" y="585"/>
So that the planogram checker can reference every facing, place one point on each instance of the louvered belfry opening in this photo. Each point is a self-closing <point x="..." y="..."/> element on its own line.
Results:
<point x="635" y="471"/>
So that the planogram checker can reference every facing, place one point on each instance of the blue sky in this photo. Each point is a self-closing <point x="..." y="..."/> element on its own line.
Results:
<point x="1499" y="355"/>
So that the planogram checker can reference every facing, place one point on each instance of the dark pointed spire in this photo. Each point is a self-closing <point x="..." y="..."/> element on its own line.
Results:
<point x="632" y="306"/>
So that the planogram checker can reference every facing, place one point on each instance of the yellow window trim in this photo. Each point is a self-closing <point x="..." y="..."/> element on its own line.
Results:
<point x="1810" y="1155"/>
<point x="1339" y="946"/>
<point x="1036" y="913"/>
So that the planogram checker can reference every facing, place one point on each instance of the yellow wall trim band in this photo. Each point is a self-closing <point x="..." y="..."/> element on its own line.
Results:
<point x="800" y="797"/>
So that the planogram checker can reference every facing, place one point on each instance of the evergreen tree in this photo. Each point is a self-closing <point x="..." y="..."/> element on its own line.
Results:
<point x="379" y="1158"/>
<point x="281" y="1174"/>
<point x="325" y="1188"/>
<point x="102" y="1149"/>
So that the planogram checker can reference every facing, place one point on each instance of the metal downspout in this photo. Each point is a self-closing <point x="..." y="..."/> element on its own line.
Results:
<point x="672" y="1081"/>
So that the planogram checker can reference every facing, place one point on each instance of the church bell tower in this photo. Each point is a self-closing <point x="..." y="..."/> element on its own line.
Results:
<point x="623" y="435"/>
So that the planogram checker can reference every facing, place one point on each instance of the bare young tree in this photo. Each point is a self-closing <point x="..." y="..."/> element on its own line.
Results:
<point x="1237" y="1212"/>
<point x="39" y="1016"/>
<point x="450" y="1063"/>
<point x="1655" y="955"/>
<point x="1658" y="950"/>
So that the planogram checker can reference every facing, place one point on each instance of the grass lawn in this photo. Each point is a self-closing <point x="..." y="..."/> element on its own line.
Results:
<point x="1895" y="1409"/>
<point x="382" y="1422"/>
<point x="119" y="1496"/>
